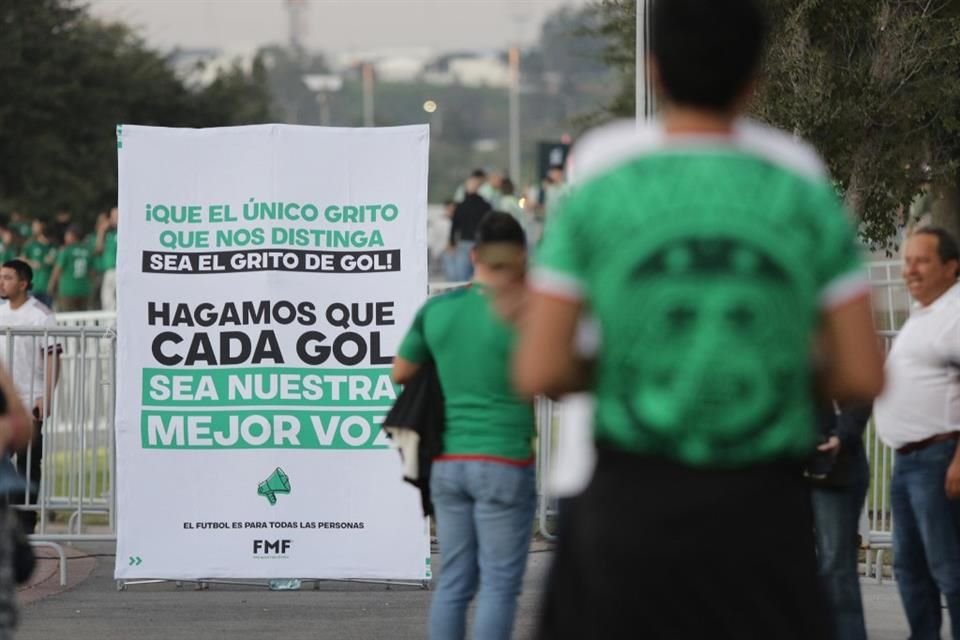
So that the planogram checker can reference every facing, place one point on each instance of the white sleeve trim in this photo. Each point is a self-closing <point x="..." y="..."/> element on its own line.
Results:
<point x="780" y="148"/>
<point x="555" y="283"/>
<point x="609" y="146"/>
<point x="844" y="288"/>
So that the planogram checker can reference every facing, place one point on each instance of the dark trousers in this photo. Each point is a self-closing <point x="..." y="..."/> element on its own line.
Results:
<point x="30" y="460"/>
<point x="658" y="550"/>
<point x="836" y="515"/>
<point x="68" y="304"/>
<point x="926" y="540"/>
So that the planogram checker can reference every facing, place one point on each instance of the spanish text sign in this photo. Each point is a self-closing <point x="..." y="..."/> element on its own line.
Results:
<point x="266" y="275"/>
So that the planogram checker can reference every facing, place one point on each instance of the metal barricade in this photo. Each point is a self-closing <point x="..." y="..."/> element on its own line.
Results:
<point x="891" y="301"/>
<point x="878" y="534"/>
<point x="891" y="306"/>
<point x="87" y="319"/>
<point x="75" y="501"/>
<point x="79" y="464"/>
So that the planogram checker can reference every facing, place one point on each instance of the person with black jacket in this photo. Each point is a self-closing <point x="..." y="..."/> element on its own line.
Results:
<point x="483" y="482"/>
<point x="838" y="496"/>
<point x="458" y="266"/>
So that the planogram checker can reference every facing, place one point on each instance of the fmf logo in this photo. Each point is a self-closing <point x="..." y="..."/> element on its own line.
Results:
<point x="266" y="547"/>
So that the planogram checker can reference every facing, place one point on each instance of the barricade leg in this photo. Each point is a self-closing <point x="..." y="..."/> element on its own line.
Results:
<point x="60" y="553"/>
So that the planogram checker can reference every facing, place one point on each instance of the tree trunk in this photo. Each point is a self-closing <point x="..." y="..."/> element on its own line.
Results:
<point x="945" y="209"/>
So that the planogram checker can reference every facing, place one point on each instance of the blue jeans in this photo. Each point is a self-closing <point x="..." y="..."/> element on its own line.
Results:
<point x="484" y="513"/>
<point x="926" y="540"/>
<point x="456" y="263"/>
<point x="836" y="512"/>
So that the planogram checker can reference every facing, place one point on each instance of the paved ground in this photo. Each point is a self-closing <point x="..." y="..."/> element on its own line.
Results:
<point x="92" y="608"/>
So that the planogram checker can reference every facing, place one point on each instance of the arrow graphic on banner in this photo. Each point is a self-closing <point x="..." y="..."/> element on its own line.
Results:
<point x="135" y="561"/>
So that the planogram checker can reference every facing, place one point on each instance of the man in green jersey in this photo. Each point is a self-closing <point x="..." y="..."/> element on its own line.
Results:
<point x="8" y="245"/>
<point x="20" y="225"/>
<point x="483" y="486"/>
<point x="106" y="251"/>
<point x="96" y="271"/>
<point x="41" y="255"/>
<point x="713" y="253"/>
<point x="71" y="280"/>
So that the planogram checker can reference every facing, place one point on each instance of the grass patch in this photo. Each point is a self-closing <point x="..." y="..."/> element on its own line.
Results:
<point x="64" y="470"/>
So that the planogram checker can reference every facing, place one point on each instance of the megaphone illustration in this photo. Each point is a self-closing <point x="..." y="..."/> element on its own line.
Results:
<point x="278" y="482"/>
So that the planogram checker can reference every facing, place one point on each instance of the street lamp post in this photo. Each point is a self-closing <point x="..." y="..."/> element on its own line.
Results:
<point x="645" y="99"/>
<point x="367" y="73"/>
<point x="514" y="58"/>
<point x="322" y="85"/>
<point x="436" y="118"/>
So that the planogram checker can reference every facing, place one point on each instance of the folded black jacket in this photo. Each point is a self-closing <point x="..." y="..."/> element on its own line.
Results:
<point x="419" y="412"/>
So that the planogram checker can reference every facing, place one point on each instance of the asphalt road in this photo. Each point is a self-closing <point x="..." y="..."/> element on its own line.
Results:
<point x="95" y="610"/>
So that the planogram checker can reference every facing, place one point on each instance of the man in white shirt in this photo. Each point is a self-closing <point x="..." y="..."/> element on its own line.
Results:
<point x="34" y="363"/>
<point x="919" y="416"/>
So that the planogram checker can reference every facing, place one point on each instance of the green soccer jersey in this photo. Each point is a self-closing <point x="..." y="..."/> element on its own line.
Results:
<point x="108" y="259"/>
<point x="472" y="347"/>
<point x="22" y="229"/>
<point x="44" y="254"/>
<point x="7" y="252"/>
<point x="74" y="261"/>
<point x="90" y="242"/>
<point x="707" y="263"/>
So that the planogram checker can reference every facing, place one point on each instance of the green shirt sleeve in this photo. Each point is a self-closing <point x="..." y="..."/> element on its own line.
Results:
<point x="414" y="347"/>
<point x="62" y="259"/>
<point x="839" y="268"/>
<point x="561" y="262"/>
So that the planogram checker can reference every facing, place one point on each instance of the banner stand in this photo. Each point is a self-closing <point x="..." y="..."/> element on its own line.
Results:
<point x="203" y="585"/>
<point x="266" y="277"/>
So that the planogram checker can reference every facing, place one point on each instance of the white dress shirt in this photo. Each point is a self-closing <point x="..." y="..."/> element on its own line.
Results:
<point x="922" y="397"/>
<point x="25" y="363"/>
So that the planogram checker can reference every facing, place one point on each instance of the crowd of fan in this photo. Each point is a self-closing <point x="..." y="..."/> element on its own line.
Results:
<point x="483" y="192"/>
<point x="74" y="269"/>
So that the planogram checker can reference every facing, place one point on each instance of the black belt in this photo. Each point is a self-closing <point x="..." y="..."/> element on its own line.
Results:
<point x="923" y="444"/>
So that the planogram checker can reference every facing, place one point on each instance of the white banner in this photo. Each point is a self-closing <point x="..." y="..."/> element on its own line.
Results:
<point x="266" y="275"/>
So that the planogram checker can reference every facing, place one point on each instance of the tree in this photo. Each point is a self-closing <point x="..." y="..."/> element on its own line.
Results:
<point x="67" y="80"/>
<point x="568" y="45"/>
<point x="291" y="98"/>
<point x="873" y="84"/>
<point x="616" y="23"/>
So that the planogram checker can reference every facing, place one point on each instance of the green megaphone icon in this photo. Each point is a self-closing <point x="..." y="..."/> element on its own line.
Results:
<point x="278" y="482"/>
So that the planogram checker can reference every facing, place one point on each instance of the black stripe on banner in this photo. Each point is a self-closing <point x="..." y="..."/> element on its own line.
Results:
<point x="271" y="260"/>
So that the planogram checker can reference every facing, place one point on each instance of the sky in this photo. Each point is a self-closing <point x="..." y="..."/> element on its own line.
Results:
<point x="240" y="26"/>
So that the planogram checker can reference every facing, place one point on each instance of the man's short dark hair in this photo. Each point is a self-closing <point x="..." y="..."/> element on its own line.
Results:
<point x="707" y="51"/>
<point x="498" y="227"/>
<point x="478" y="173"/>
<point x="24" y="271"/>
<point x="946" y="244"/>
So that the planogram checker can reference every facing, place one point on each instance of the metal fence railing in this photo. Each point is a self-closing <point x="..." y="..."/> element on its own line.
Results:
<point x="77" y="432"/>
<point x="74" y="497"/>
<point x="78" y="443"/>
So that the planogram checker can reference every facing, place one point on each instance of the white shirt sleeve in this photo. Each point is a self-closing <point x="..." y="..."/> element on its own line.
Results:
<point x="948" y="342"/>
